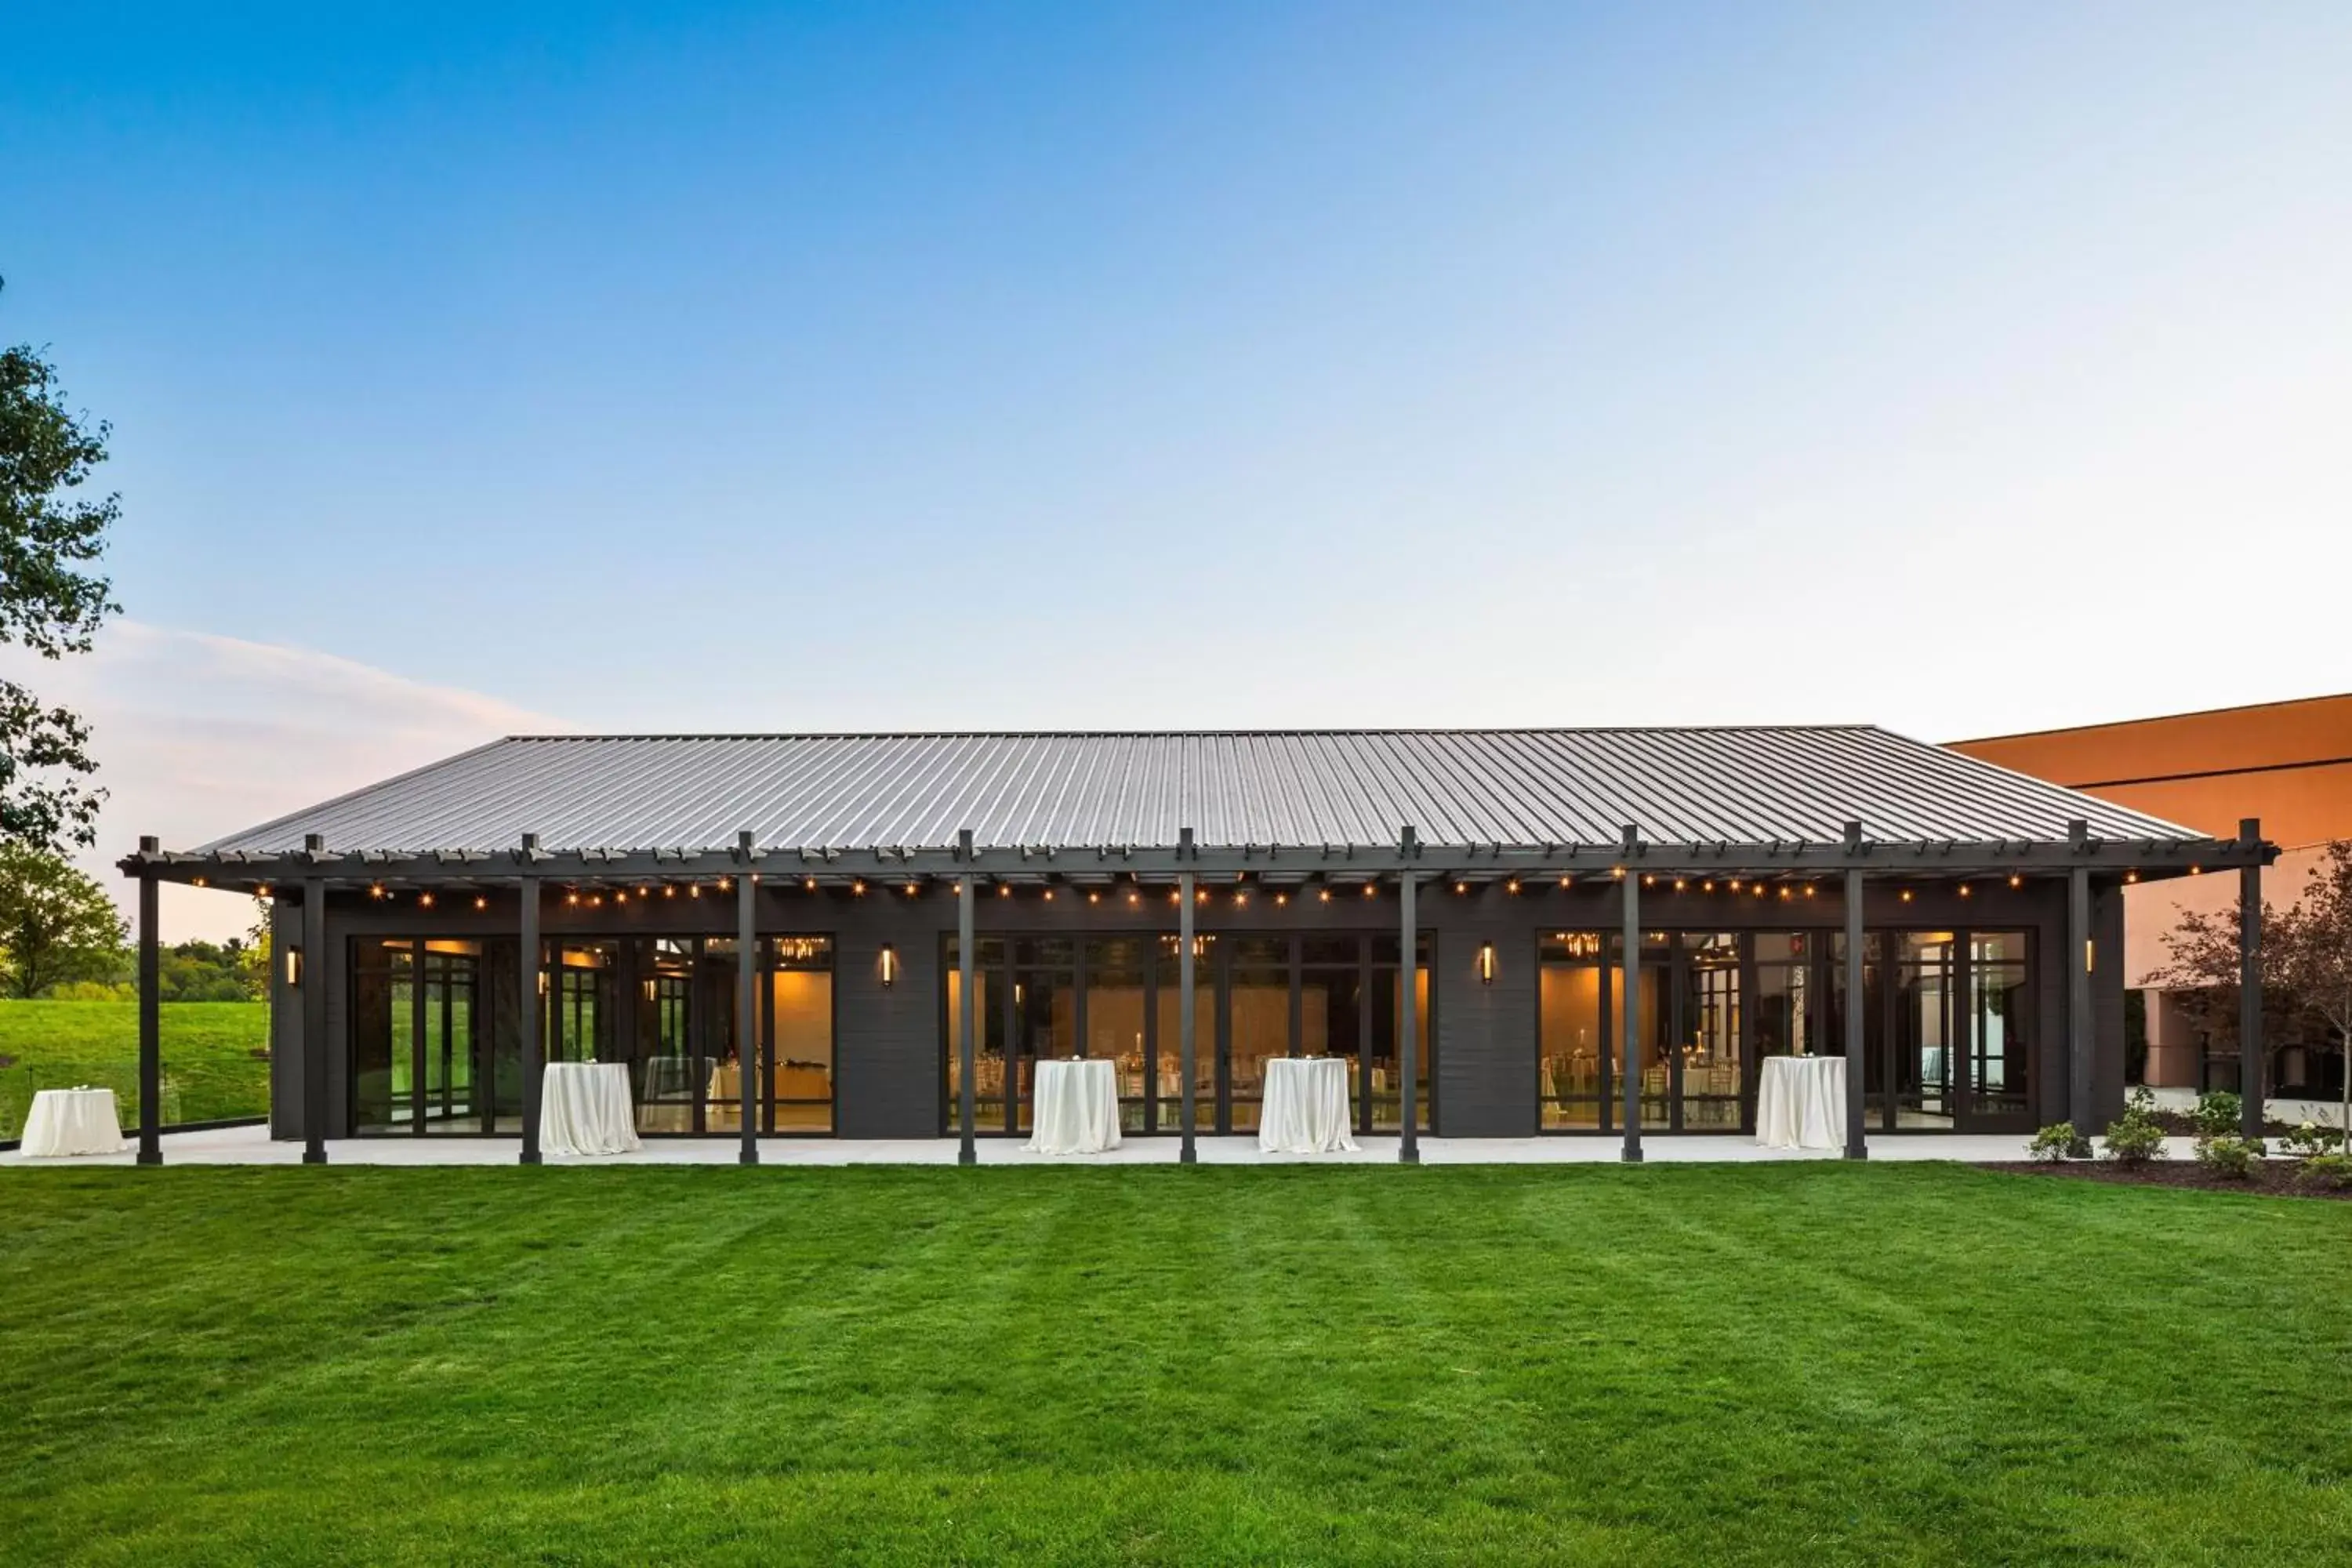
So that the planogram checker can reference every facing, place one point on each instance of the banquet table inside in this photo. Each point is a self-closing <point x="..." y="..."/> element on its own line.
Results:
<point x="1801" y="1104"/>
<point x="1075" y="1107"/>
<point x="1306" y="1106"/>
<point x="583" y="1109"/>
<point x="64" y="1121"/>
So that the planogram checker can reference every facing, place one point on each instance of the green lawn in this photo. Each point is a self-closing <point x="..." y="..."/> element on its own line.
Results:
<point x="210" y="1070"/>
<point x="1777" y="1363"/>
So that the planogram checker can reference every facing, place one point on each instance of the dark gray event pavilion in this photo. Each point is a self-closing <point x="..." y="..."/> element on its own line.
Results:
<point x="876" y="936"/>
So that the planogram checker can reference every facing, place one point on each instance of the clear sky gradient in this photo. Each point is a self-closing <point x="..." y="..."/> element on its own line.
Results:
<point x="1964" y="369"/>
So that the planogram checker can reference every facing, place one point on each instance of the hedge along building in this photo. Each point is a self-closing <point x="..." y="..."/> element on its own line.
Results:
<point x="877" y="936"/>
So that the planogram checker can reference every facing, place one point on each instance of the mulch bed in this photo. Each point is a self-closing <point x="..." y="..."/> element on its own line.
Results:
<point x="2273" y="1178"/>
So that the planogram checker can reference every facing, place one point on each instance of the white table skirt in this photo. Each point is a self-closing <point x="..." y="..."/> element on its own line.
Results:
<point x="1306" y="1107"/>
<point x="583" y="1109"/>
<point x="72" y="1121"/>
<point x="1801" y="1104"/>
<point x="1075" y="1108"/>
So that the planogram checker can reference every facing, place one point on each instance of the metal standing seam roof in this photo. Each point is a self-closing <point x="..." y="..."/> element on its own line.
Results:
<point x="1512" y="787"/>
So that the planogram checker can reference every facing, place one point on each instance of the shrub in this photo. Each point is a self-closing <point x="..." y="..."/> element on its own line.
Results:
<point x="2311" y="1141"/>
<point x="2229" y="1156"/>
<point x="2059" y="1140"/>
<point x="2218" y="1114"/>
<point x="2332" y="1171"/>
<point x="2136" y="1138"/>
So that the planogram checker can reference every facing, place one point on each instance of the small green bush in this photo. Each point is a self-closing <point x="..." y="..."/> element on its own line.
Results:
<point x="2059" y="1140"/>
<point x="2218" y="1114"/>
<point x="2331" y="1171"/>
<point x="2311" y="1140"/>
<point x="2135" y="1139"/>
<point x="2230" y="1156"/>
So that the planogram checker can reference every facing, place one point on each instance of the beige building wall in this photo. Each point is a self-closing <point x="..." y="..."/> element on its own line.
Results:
<point x="2287" y="763"/>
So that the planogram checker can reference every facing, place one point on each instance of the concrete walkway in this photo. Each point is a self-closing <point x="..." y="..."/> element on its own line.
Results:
<point x="253" y="1146"/>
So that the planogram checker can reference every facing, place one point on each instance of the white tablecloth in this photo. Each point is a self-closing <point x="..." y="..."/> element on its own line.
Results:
<point x="1801" y="1104"/>
<point x="1306" y="1106"/>
<point x="1075" y="1108"/>
<point x="72" y="1121"/>
<point x="583" y="1109"/>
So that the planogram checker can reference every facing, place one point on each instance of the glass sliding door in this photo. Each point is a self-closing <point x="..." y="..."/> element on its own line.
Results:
<point x="796" y="1026"/>
<point x="2000" y="1009"/>
<point x="1045" y="999"/>
<point x="669" y="1074"/>
<point x="1113" y="979"/>
<point x="1573" y="1060"/>
<point x="1167" y="1019"/>
<point x="1925" y="1065"/>
<point x="1257" y="1022"/>
<point x="419" y="1050"/>
<point x="1333" y="1020"/>
<point x="1707" y="1059"/>
<point x="1383" y="1065"/>
<point x="992" y="1027"/>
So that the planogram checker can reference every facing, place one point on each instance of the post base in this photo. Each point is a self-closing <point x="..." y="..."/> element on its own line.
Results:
<point x="1856" y="1151"/>
<point x="1628" y="1156"/>
<point x="1187" y="1156"/>
<point x="967" y="1157"/>
<point x="151" y="1156"/>
<point x="1408" y="1156"/>
<point x="314" y="1156"/>
<point x="530" y="1157"/>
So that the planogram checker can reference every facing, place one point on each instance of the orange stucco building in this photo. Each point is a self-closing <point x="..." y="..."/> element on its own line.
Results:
<point x="2287" y="763"/>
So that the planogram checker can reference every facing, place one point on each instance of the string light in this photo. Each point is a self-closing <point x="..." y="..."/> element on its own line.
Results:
<point x="1049" y="895"/>
<point x="570" y="897"/>
<point x="197" y="881"/>
<point x="2015" y="880"/>
<point x="1617" y="872"/>
<point x="1134" y="899"/>
<point x="481" y="902"/>
<point x="1003" y="890"/>
<point x="1461" y="887"/>
<point x="913" y="890"/>
<point x="375" y="890"/>
<point x="1734" y="884"/>
<point x="1568" y="881"/>
<point x="724" y="884"/>
<point x="426" y="899"/>
<point x="1324" y="896"/>
<point x="620" y="896"/>
<point x="694" y="889"/>
<point x="1810" y="889"/>
<point x="669" y="889"/>
<point x="1093" y="898"/>
<point x="2131" y="876"/>
<point x="1282" y="898"/>
<point x="1370" y="890"/>
<point x="1678" y="884"/>
<point x="1966" y="890"/>
<point x="856" y="889"/>
<point x="808" y="884"/>
<point x="1707" y="886"/>
<point x="1240" y="898"/>
<point x="1906" y="895"/>
<point x="1512" y="886"/>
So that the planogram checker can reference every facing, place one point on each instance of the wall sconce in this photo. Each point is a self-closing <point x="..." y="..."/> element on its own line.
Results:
<point x="293" y="966"/>
<point x="889" y="966"/>
<point x="1486" y="963"/>
<point x="649" y="990"/>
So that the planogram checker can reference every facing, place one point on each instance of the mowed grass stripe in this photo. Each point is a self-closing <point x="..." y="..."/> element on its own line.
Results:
<point x="1702" y="1364"/>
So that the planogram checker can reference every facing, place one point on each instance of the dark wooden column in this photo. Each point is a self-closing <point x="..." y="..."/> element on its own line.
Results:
<point x="747" y="998"/>
<point x="1185" y="1022"/>
<point x="1408" y="1012"/>
<point x="2081" y="1046"/>
<point x="1857" y="1032"/>
<point x="314" y="1019"/>
<point x="2251" y="1088"/>
<point x="534" y="1009"/>
<point x="150" y="1020"/>
<point x="1629" y="1013"/>
<point x="966" y="1005"/>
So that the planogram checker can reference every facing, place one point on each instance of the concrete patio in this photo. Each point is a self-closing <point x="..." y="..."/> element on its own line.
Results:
<point x="253" y="1146"/>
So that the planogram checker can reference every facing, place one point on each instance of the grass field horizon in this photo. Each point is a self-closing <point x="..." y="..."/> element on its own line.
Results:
<point x="1755" y="1363"/>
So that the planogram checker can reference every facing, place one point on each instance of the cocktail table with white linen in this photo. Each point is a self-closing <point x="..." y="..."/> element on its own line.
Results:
<point x="583" y="1109"/>
<point x="65" y="1122"/>
<point x="1306" y="1108"/>
<point x="1801" y="1104"/>
<point x="1074" y="1107"/>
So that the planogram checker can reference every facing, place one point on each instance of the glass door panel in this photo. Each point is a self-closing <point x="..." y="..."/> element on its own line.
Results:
<point x="1572" y="1052"/>
<point x="452" y="980"/>
<point x="1925" y="1062"/>
<point x="1383" y="1069"/>
<point x="1999" y="1007"/>
<point x="992" y="1025"/>
<point x="1167" y="1036"/>
<point x="1257" y="1000"/>
<point x="1045" y="1014"/>
<point x="1707" y="1064"/>
<point x="799" y="1020"/>
<point x="1115" y="1023"/>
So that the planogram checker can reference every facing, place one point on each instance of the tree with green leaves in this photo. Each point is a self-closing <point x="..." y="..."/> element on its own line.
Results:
<point x="2305" y="963"/>
<point x="55" y="923"/>
<point x="50" y="534"/>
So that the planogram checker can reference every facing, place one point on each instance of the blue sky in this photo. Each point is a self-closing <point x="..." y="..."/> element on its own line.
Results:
<point x="1961" y="368"/>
